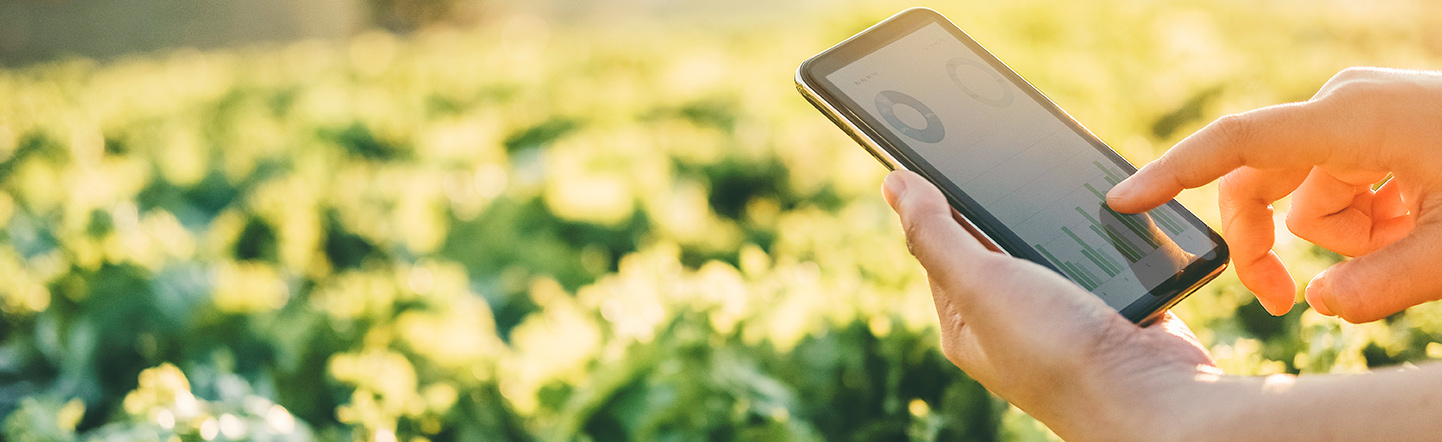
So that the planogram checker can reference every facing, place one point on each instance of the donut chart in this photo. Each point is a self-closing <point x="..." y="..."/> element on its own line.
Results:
<point x="886" y="102"/>
<point x="956" y="64"/>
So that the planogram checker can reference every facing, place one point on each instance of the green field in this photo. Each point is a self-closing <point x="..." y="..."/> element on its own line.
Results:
<point x="534" y="230"/>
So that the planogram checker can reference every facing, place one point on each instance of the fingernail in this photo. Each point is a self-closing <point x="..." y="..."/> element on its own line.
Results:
<point x="1316" y="292"/>
<point x="895" y="187"/>
<point x="1121" y="191"/>
<point x="1275" y="310"/>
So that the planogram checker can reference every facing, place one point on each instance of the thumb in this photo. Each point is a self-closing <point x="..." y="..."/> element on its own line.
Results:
<point x="932" y="235"/>
<point x="1007" y="302"/>
<point x="969" y="280"/>
<point x="1384" y="282"/>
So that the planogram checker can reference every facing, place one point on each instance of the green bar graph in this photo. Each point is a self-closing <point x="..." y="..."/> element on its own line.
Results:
<point x="1162" y="218"/>
<point x="1073" y="271"/>
<point x="1062" y="264"/>
<point x="1128" y="250"/>
<point x="1108" y="258"/>
<point x="1102" y="234"/>
<point x="1165" y="219"/>
<point x="1095" y="259"/>
<point x="1096" y="282"/>
<point x="1135" y="226"/>
<point x="1111" y="261"/>
<point x="1086" y="283"/>
<point x="1098" y="226"/>
<point x="1102" y="264"/>
<point x="1135" y="221"/>
<point x="1048" y="255"/>
<point x="1110" y="173"/>
<point x="1078" y="239"/>
<point x="1089" y="217"/>
<point x="1090" y="254"/>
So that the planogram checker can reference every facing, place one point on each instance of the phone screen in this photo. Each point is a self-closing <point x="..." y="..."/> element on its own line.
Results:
<point x="1011" y="153"/>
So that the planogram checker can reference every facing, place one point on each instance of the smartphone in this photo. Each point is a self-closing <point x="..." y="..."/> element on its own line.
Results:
<point x="1022" y="176"/>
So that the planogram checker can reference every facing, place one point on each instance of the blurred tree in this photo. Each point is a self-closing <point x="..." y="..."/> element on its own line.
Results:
<point x="410" y="15"/>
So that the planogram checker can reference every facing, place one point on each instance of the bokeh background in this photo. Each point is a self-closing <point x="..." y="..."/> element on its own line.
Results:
<point x="559" y="220"/>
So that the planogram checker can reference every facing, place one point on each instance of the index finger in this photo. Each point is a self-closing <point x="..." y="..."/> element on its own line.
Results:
<point x="1287" y="136"/>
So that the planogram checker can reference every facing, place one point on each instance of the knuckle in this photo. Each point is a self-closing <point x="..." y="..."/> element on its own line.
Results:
<point x="920" y="224"/>
<point x="1230" y="191"/>
<point x="1229" y="183"/>
<point x="1354" y="73"/>
<point x="953" y="332"/>
<point x="1357" y="88"/>
<point x="916" y="233"/>
<point x="1352" y="92"/>
<point x="1235" y="129"/>
<point x="1351" y="80"/>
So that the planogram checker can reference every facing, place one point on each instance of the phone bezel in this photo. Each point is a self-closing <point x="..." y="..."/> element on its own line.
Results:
<point x="894" y="153"/>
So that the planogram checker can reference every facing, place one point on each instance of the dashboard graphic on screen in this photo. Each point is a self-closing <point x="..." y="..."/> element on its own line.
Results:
<point x="1011" y="155"/>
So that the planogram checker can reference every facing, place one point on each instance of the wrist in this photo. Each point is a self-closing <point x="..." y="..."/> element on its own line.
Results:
<point x="1213" y="406"/>
<point x="1172" y="402"/>
<point x="1175" y="402"/>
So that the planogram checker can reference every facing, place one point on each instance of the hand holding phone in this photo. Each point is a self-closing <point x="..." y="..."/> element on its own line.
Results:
<point x="1044" y="344"/>
<point x="1029" y="331"/>
<point x="1022" y="175"/>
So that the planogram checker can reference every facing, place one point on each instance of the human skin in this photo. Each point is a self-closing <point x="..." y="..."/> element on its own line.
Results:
<point x="1066" y="358"/>
<point x="1362" y="126"/>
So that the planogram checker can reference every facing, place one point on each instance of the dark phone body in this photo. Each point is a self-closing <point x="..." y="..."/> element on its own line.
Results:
<point x="894" y="152"/>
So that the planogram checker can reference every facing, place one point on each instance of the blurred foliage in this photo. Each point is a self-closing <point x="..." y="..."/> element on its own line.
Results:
<point x="410" y="15"/>
<point x="528" y="231"/>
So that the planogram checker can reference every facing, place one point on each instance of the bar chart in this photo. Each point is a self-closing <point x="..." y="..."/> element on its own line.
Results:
<point x="1109" y="243"/>
<point x="1032" y="175"/>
